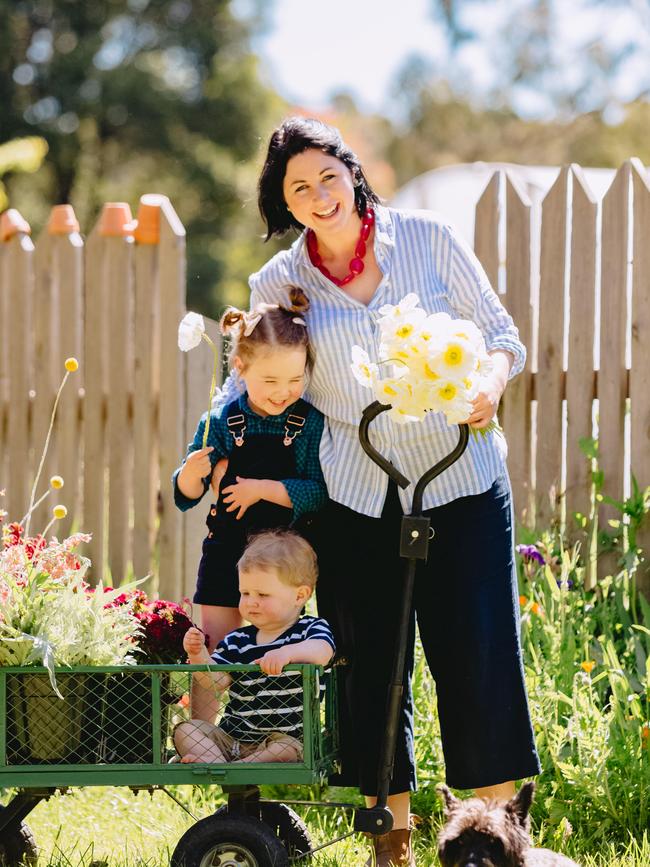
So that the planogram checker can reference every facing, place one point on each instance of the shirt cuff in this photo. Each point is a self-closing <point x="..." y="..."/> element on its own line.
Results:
<point x="515" y="347"/>
<point x="182" y="502"/>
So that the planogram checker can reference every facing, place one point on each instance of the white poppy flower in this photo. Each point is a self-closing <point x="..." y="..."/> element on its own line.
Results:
<point x="190" y="331"/>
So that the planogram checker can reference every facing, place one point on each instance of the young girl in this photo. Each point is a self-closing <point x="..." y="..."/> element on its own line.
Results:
<point x="270" y="438"/>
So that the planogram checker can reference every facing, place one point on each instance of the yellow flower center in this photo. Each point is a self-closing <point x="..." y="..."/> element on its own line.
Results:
<point x="389" y="390"/>
<point x="453" y="355"/>
<point x="448" y="392"/>
<point x="71" y="364"/>
<point x="365" y="370"/>
<point x="404" y="331"/>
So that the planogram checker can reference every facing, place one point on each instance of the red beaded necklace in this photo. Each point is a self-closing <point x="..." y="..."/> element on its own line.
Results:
<point x="357" y="264"/>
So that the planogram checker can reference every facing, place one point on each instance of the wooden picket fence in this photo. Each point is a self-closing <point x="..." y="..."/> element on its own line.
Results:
<point x="583" y="311"/>
<point x="114" y="301"/>
<point x="125" y="417"/>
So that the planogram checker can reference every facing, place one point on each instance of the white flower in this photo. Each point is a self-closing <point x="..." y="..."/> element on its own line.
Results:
<point x="190" y="331"/>
<point x="363" y="370"/>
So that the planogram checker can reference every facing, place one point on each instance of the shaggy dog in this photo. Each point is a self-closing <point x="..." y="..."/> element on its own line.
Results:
<point x="480" y="833"/>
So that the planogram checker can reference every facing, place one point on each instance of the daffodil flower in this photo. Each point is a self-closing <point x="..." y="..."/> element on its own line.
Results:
<point x="363" y="370"/>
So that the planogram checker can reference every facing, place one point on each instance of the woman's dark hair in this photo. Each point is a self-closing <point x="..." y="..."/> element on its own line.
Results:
<point x="293" y="136"/>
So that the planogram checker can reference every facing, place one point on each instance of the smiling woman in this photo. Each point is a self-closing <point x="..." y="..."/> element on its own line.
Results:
<point x="355" y="258"/>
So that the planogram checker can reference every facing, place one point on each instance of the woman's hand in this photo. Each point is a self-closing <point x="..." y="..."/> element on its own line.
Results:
<point x="486" y="402"/>
<point x="485" y="406"/>
<point x="245" y="493"/>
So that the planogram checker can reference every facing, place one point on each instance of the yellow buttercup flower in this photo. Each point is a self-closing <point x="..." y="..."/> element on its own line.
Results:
<point x="71" y="364"/>
<point x="56" y="482"/>
<point x="588" y="665"/>
<point x="59" y="512"/>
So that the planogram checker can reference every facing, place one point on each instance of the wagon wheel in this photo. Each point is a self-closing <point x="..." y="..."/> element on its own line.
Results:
<point x="285" y="824"/>
<point x="229" y="840"/>
<point x="17" y="845"/>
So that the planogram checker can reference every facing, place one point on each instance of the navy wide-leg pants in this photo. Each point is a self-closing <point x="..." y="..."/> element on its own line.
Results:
<point x="467" y="610"/>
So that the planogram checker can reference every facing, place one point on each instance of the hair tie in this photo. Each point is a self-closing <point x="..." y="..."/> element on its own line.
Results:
<point x="250" y="321"/>
<point x="299" y="321"/>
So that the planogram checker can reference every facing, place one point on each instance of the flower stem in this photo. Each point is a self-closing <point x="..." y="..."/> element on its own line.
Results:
<point x="45" y="448"/>
<point x="213" y="386"/>
<point x="36" y="505"/>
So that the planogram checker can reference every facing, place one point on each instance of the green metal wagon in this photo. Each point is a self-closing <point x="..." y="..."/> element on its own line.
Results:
<point x="113" y="727"/>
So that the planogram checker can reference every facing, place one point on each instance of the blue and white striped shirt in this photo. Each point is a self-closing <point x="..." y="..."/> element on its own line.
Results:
<point x="417" y="252"/>
<point x="259" y="703"/>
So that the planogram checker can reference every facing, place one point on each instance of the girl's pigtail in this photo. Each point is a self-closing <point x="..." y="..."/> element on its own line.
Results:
<point x="299" y="301"/>
<point x="232" y="321"/>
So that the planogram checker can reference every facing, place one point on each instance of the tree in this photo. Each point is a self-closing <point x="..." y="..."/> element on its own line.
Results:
<point x="137" y="96"/>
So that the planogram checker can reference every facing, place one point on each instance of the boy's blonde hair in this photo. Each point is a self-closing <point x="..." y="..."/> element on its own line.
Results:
<point x="285" y="552"/>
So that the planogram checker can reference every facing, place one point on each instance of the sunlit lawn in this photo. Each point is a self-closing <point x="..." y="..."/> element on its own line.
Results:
<point x="119" y="828"/>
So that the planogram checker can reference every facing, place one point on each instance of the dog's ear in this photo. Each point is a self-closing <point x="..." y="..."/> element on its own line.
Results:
<point x="519" y="806"/>
<point x="451" y="802"/>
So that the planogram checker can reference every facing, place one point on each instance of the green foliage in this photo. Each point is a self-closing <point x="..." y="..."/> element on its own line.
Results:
<point x="134" y="96"/>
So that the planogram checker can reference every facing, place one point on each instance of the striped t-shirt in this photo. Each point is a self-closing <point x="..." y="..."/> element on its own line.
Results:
<point x="260" y="703"/>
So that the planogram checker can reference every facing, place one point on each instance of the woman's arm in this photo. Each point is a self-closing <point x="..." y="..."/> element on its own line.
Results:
<point x="472" y="296"/>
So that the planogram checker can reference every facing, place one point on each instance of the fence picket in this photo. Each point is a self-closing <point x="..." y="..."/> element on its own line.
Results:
<point x="640" y="367"/>
<point x="486" y="230"/>
<point x="119" y="288"/>
<point x="68" y="254"/>
<point x="198" y="375"/>
<point x="171" y="423"/>
<point x="612" y="376"/>
<point x="580" y="366"/>
<point x="19" y="284"/>
<point x="146" y="391"/>
<point x="46" y="375"/>
<point x="95" y="398"/>
<point x="549" y="379"/>
<point x="516" y="413"/>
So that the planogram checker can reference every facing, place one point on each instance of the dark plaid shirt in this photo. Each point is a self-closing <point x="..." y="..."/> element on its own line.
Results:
<point x="307" y="492"/>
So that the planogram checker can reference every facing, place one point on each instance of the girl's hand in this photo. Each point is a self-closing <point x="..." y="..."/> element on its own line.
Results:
<point x="194" y="642"/>
<point x="274" y="661"/>
<point x="245" y="493"/>
<point x="197" y="465"/>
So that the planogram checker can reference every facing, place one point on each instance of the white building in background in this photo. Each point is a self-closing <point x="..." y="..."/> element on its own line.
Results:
<point x="453" y="191"/>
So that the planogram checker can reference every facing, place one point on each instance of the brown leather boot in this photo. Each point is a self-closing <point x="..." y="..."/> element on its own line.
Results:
<point x="392" y="850"/>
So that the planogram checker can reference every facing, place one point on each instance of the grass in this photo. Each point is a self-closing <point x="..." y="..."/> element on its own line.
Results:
<point x="118" y="828"/>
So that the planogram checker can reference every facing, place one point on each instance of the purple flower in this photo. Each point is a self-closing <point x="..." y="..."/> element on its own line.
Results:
<point x="530" y="554"/>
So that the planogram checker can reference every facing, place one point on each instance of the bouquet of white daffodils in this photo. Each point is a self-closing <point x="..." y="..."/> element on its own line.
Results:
<point x="433" y="363"/>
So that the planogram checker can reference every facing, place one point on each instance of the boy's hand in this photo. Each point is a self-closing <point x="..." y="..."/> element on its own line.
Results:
<point x="197" y="465"/>
<point x="245" y="493"/>
<point x="274" y="661"/>
<point x="194" y="643"/>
